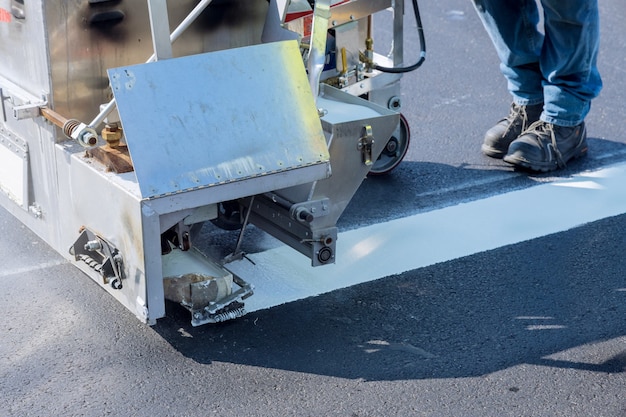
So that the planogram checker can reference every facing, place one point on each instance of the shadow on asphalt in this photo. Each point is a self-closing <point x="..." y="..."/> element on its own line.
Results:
<point x="468" y="317"/>
<point x="423" y="186"/>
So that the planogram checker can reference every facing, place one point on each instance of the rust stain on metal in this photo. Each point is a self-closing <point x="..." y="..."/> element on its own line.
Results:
<point x="115" y="159"/>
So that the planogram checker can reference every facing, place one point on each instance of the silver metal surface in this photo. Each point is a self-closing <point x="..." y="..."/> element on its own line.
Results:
<point x="83" y="44"/>
<point x="229" y="116"/>
<point x="14" y="167"/>
<point x="226" y="118"/>
<point x="349" y="30"/>
<point x="105" y="110"/>
<point x="273" y="29"/>
<point x="22" y="42"/>
<point x="349" y="11"/>
<point x="160" y="28"/>
<point x="317" y="48"/>
<point x="347" y="120"/>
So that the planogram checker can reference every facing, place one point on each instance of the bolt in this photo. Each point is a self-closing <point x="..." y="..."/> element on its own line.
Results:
<point x="93" y="245"/>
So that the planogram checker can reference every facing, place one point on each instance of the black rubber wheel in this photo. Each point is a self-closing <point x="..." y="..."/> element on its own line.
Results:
<point x="395" y="149"/>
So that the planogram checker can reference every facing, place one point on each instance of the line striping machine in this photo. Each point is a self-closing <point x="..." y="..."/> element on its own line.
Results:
<point x="125" y="125"/>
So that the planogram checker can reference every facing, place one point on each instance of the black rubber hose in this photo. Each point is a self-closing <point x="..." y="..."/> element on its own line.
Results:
<point x="420" y="33"/>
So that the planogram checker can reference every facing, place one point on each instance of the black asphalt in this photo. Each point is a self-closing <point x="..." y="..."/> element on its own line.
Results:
<point x="532" y="329"/>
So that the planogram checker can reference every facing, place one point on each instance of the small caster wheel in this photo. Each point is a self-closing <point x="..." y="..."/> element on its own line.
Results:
<point x="394" y="151"/>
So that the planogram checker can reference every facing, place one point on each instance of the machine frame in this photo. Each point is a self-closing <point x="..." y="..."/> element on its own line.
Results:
<point x="242" y="109"/>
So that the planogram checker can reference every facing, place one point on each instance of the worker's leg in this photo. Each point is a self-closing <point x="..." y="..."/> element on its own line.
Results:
<point x="512" y="27"/>
<point x="570" y="82"/>
<point x="568" y="60"/>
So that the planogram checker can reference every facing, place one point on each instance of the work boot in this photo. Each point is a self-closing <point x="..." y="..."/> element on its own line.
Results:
<point x="499" y="137"/>
<point x="545" y="147"/>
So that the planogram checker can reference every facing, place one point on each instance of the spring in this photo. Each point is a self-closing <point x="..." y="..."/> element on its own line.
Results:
<point x="228" y="315"/>
<point x="69" y="127"/>
<point x="92" y="263"/>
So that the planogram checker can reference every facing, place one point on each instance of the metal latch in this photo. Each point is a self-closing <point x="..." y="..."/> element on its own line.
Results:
<point x="101" y="256"/>
<point x="24" y="104"/>
<point x="365" y="145"/>
<point x="28" y="111"/>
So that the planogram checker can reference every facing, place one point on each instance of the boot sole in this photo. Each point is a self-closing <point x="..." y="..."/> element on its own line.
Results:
<point x="492" y="152"/>
<point x="578" y="152"/>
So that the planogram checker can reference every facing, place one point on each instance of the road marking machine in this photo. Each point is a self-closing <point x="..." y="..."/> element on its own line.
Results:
<point x="127" y="124"/>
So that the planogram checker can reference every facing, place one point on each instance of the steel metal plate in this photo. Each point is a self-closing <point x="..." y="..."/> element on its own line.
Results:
<point x="14" y="167"/>
<point x="219" y="118"/>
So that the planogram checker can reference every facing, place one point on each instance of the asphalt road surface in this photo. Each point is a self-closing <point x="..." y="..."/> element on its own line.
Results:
<point x="534" y="327"/>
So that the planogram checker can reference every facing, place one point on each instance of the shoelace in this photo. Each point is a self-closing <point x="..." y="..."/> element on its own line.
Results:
<point x="514" y="113"/>
<point x="540" y="130"/>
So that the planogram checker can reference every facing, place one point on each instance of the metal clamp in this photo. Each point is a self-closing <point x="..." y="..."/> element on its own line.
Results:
<point x="365" y="145"/>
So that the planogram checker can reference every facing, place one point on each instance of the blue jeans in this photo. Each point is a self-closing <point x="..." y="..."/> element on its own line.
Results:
<point x="555" y="64"/>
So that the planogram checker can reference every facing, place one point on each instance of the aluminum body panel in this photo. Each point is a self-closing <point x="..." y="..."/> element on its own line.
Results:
<point x="88" y="198"/>
<point x="209" y="120"/>
<point x="14" y="167"/>
<point x="344" y="121"/>
<point x="83" y="44"/>
<point x="22" y="47"/>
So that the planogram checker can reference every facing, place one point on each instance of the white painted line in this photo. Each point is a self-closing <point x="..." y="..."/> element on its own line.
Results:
<point x="282" y="275"/>
<point x="26" y="269"/>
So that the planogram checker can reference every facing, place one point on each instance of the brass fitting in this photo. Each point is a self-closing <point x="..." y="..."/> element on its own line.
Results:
<point x="112" y="135"/>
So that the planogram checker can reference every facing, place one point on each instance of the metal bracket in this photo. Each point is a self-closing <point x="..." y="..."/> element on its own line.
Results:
<point x="2" y="98"/>
<point x="365" y="145"/>
<point x="101" y="256"/>
<point x="308" y="211"/>
<point x="28" y="111"/>
<point x="315" y="242"/>
<point x="24" y="104"/>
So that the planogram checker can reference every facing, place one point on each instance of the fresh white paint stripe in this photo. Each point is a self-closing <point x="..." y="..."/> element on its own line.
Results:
<point x="282" y="275"/>
<point x="31" y="268"/>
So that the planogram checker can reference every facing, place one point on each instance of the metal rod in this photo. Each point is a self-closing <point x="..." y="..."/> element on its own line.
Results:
<point x="317" y="51"/>
<point x="160" y="26"/>
<point x="243" y="227"/>
<point x="180" y="29"/>
<point x="237" y="254"/>
<point x="53" y="117"/>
